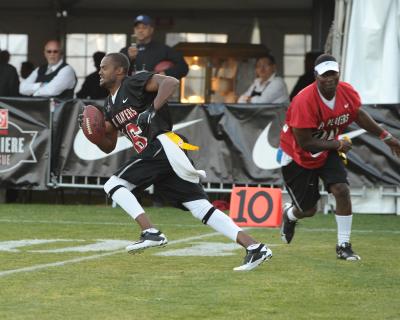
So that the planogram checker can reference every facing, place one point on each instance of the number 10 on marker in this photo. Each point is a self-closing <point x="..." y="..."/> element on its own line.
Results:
<point x="256" y="207"/>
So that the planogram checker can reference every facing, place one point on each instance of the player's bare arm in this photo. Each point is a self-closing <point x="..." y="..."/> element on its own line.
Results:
<point x="109" y="141"/>
<point x="307" y="142"/>
<point x="165" y="86"/>
<point x="365" y="121"/>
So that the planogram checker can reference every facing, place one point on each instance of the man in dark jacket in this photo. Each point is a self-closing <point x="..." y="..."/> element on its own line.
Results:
<point x="91" y="87"/>
<point x="9" y="81"/>
<point x="145" y="54"/>
<point x="308" y="77"/>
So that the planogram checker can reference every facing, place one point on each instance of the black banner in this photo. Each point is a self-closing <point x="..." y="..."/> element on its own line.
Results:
<point x="238" y="144"/>
<point x="371" y="161"/>
<point x="24" y="143"/>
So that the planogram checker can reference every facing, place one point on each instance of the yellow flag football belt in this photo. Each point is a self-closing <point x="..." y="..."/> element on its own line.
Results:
<point x="180" y="143"/>
<point x="343" y="155"/>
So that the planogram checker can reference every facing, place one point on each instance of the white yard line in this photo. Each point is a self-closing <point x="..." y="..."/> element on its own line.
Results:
<point x="96" y="256"/>
<point x="57" y="264"/>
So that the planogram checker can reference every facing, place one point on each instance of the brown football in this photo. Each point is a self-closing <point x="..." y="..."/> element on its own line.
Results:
<point x="93" y="125"/>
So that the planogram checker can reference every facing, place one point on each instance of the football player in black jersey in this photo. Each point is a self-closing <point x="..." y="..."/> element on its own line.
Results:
<point x="137" y="107"/>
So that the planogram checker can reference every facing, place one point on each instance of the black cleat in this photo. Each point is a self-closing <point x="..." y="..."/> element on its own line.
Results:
<point x="345" y="252"/>
<point x="148" y="240"/>
<point x="255" y="257"/>
<point x="288" y="226"/>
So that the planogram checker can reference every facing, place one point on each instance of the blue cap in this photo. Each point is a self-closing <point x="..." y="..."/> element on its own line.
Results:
<point x="143" y="19"/>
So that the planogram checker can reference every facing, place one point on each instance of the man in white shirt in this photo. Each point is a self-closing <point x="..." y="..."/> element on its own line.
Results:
<point x="267" y="87"/>
<point x="54" y="79"/>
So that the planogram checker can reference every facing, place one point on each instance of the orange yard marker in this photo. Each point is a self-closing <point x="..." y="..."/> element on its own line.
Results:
<point x="256" y="207"/>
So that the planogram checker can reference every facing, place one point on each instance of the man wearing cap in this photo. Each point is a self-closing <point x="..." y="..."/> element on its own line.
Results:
<point x="146" y="53"/>
<point x="310" y="143"/>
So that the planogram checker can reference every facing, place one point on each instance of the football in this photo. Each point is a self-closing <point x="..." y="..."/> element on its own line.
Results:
<point x="93" y="125"/>
<point x="163" y="65"/>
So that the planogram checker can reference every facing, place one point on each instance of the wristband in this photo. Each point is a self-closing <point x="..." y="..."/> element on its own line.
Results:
<point x="385" y="135"/>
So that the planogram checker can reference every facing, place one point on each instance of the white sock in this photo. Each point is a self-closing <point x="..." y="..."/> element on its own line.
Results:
<point x="151" y="230"/>
<point x="253" y="246"/>
<point x="127" y="201"/>
<point x="344" y="228"/>
<point x="220" y="222"/>
<point x="291" y="215"/>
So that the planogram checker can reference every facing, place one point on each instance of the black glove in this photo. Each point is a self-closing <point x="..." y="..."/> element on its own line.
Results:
<point x="144" y="118"/>
<point x="80" y="118"/>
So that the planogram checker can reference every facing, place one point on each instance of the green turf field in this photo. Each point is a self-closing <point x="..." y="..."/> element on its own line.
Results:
<point x="77" y="269"/>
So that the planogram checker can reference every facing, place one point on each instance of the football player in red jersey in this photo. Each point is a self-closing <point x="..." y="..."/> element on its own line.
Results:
<point x="310" y="144"/>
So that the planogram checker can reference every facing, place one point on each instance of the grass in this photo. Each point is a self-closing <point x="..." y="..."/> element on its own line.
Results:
<point x="303" y="281"/>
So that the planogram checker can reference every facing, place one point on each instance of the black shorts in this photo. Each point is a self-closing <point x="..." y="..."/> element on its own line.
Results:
<point x="153" y="167"/>
<point x="302" y="184"/>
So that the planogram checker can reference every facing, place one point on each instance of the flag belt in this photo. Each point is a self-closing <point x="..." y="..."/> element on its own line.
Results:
<point x="179" y="141"/>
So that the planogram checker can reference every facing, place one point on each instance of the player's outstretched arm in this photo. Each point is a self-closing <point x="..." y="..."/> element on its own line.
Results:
<point x="365" y="121"/>
<point x="165" y="87"/>
<point x="109" y="141"/>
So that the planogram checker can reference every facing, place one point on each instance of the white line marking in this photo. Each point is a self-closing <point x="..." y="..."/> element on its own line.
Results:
<point x="57" y="264"/>
<point x="96" y="256"/>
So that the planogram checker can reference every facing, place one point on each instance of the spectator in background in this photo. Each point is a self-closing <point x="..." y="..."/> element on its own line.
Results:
<point x="308" y="76"/>
<point x="91" y="87"/>
<point x="27" y="68"/>
<point x="4" y="56"/>
<point x="9" y="81"/>
<point x="145" y="54"/>
<point x="267" y="87"/>
<point x="54" y="79"/>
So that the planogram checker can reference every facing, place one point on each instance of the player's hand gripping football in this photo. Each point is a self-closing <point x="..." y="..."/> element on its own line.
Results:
<point x="345" y="144"/>
<point x="80" y="118"/>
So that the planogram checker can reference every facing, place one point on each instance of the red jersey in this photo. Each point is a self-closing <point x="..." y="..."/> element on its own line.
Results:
<point x="307" y="110"/>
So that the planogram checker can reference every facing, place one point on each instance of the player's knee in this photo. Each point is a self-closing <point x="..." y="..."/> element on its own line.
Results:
<point x="200" y="209"/>
<point x="340" y="190"/>
<point x="113" y="184"/>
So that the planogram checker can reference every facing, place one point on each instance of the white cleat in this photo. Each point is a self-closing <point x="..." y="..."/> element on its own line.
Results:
<point x="254" y="258"/>
<point x="147" y="240"/>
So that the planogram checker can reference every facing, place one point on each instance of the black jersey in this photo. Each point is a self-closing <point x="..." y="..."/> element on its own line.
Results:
<point x="131" y="100"/>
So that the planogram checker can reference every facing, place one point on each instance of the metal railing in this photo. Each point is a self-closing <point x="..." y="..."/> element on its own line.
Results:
<point x="83" y="182"/>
